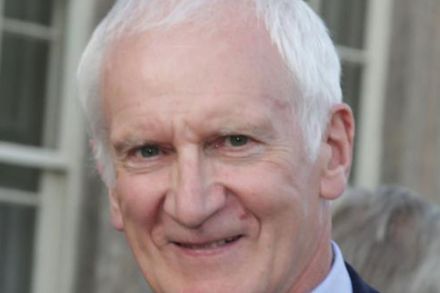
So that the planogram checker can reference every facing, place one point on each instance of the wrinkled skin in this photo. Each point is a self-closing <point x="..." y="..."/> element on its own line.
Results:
<point x="213" y="189"/>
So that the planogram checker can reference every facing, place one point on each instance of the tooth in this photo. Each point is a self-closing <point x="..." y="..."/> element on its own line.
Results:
<point x="210" y="245"/>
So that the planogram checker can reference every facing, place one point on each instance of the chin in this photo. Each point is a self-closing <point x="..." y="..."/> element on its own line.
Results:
<point x="185" y="282"/>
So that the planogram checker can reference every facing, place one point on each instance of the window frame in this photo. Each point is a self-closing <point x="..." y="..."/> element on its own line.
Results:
<point x="60" y="159"/>
<point x="72" y="146"/>
<point x="373" y="93"/>
<point x="374" y="60"/>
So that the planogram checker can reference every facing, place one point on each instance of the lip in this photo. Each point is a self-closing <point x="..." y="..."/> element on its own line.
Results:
<point x="207" y="248"/>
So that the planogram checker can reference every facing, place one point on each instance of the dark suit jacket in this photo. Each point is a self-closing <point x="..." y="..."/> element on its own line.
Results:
<point x="359" y="286"/>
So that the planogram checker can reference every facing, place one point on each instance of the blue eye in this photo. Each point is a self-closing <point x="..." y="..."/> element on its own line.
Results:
<point x="238" y="140"/>
<point x="149" y="151"/>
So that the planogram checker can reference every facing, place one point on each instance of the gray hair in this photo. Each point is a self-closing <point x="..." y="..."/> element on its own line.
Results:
<point x="294" y="28"/>
<point x="392" y="237"/>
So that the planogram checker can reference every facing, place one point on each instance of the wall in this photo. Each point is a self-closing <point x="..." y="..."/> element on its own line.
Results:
<point x="411" y="141"/>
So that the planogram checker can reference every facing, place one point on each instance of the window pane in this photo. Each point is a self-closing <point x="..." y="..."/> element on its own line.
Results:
<point x="21" y="178"/>
<point x="346" y="21"/>
<point x="38" y="11"/>
<point x="22" y="89"/>
<point x="351" y="86"/>
<point x="16" y="247"/>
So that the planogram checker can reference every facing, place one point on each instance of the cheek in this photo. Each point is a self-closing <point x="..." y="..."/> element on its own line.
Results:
<point x="140" y="197"/>
<point x="264" y="188"/>
<point x="282" y="198"/>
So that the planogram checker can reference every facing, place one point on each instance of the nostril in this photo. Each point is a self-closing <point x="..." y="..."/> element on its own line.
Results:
<point x="193" y="210"/>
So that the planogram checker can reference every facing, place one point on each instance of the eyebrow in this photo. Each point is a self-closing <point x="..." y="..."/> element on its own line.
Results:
<point x="251" y="129"/>
<point x="260" y="127"/>
<point x="123" y="146"/>
<point x="133" y="135"/>
<point x="129" y="139"/>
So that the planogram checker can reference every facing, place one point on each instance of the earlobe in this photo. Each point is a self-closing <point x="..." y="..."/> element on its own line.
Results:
<point x="337" y="151"/>
<point x="115" y="211"/>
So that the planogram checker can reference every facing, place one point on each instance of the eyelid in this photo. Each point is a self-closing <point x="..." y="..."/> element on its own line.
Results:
<point x="236" y="154"/>
<point x="133" y="161"/>
<point x="223" y="140"/>
<point x="163" y="149"/>
<point x="131" y="157"/>
<point x="137" y="152"/>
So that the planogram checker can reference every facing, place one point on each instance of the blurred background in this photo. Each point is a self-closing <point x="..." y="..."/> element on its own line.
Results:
<point x="55" y="235"/>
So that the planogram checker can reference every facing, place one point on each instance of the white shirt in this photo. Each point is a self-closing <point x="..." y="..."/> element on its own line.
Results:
<point x="338" y="280"/>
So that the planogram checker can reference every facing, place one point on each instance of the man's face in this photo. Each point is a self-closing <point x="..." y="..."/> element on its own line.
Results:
<point x="213" y="189"/>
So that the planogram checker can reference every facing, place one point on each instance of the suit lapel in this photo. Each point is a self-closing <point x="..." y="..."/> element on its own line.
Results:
<point x="359" y="286"/>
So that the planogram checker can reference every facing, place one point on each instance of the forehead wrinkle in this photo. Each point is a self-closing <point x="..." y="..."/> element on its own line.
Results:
<point x="180" y="128"/>
<point x="158" y="82"/>
<point x="138" y="130"/>
<point x="152" y="121"/>
<point x="259" y="127"/>
<point x="239" y="33"/>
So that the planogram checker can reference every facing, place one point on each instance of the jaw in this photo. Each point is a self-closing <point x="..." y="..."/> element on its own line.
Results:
<point x="195" y="268"/>
<point x="207" y="268"/>
<point x="319" y="265"/>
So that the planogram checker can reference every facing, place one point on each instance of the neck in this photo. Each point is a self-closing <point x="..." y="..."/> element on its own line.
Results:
<point x="319" y="266"/>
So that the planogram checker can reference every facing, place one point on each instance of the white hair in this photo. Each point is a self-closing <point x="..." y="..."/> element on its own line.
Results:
<point x="295" y="29"/>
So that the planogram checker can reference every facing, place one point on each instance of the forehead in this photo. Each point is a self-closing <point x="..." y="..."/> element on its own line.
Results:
<point x="233" y="57"/>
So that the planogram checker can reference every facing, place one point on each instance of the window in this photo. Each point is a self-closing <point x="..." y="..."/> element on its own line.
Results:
<point x="28" y="44"/>
<point x="41" y="142"/>
<point x="361" y="32"/>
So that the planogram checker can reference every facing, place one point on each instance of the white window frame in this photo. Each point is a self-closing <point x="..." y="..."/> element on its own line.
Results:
<point x="59" y="199"/>
<point x="72" y="149"/>
<point x="373" y="94"/>
<point x="374" y="60"/>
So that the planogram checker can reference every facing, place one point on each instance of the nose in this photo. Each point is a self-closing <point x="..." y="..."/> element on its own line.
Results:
<point x="193" y="196"/>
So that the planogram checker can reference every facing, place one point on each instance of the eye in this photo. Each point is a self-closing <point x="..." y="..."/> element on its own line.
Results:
<point x="237" y="140"/>
<point x="234" y="147"/>
<point x="148" y="151"/>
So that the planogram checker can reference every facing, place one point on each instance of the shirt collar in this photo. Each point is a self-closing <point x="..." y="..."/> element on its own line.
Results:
<point x="338" y="279"/>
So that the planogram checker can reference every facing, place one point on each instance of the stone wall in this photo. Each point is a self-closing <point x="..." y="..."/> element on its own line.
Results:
<point x="411" y="138"/>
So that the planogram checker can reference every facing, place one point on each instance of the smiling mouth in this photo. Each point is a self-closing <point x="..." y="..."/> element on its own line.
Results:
<point x="209" y="245"/>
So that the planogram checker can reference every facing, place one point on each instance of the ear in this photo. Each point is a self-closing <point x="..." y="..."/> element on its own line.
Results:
<point x="99" y="166"/>
<point x="336" y="152"/>
<point x="115" y="210"/>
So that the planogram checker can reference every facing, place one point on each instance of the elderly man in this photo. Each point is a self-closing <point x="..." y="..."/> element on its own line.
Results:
<point x="220" y="133"/>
